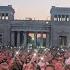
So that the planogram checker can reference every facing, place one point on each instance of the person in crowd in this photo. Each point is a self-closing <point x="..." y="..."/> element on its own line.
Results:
<point x="67" y="67"/>
<point x="4" y="65"/>
<point x="34" y="60"/>
<point x="42" y="63"/>
<point x="57" y="64"/>
<point x="16" y="64"/>
<point x="28" y="65"/>
<point x="50" y="67"/>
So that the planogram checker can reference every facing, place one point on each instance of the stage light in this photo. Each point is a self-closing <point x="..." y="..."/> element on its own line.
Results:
<point x="44" y="49"/>
<point x="53" y="48"/>
<point x="28" y="50"/>
<point x="47" y="22"/>
<point x="62" y="49"/>
<point x="34" y="54"/>
<point x="58" y="53"/>
<point x="58" y="49"/>
<point x="17" y="52"/>
<point x="42" y="58"/>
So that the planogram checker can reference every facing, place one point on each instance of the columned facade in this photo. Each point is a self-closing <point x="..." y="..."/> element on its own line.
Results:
<point x="35" y="39"/>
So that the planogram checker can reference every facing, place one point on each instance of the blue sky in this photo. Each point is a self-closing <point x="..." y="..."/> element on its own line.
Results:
<point x="39" y="9"/>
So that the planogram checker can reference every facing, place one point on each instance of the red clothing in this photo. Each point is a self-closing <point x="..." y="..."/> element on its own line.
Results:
<point x="58" y="66"/>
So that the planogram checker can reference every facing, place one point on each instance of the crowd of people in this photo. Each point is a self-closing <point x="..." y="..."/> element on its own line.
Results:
<point x="47" y="59"/>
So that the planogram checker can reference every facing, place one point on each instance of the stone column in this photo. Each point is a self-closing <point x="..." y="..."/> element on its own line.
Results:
<point x="65" y="18"/>
<point x="12" y="38"/>
<point x="22" y="39"/>
<point x="61" y="18"/>
<point x="18" y="39"/>
<point x="1" y="16"/>
<point x="47" y="40"/>
<point x="35" y="39"/>
<point x="69" y="17"/>
<point x="41" y="43"/>
<point x="5" y="16"/>
<point x="57" y="18"/>
<point x="25" y="38"/>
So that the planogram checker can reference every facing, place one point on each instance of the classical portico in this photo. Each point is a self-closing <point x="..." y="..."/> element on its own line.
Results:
<point x="35" y="39"/>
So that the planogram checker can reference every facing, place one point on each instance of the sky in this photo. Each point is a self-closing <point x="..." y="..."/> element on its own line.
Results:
<point x="36" y="9"/>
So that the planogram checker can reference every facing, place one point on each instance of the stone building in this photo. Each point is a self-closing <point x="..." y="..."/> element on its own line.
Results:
<point x="60" y="26"/>
<point x="35" y="33"/>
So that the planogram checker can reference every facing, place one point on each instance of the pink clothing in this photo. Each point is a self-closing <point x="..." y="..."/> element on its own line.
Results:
<point x="42" y="65"/>
<point x="58" y="66"/>
<point x="4" y="66"/>
<point x="28" y="66"/>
